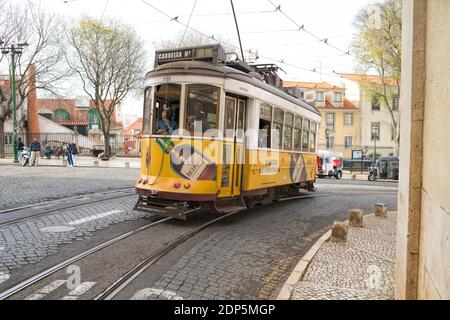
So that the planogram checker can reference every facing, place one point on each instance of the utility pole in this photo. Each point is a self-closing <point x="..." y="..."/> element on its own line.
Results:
<point x="14" y="50"/>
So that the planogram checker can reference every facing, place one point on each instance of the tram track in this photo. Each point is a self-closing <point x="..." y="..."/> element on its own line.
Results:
<point x="48" y="272"/>
<point x="117" y="287"/>
<point x="62" y="208"/>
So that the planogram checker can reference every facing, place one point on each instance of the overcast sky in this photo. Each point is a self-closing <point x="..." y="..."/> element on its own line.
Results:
<point x="262" y="28"/>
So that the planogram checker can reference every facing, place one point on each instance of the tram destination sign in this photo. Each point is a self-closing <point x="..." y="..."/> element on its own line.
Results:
<point x="209" y="53"/>
<point x="174" y="55"/>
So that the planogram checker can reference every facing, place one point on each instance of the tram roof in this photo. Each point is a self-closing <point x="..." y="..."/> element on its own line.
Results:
<point x="223" y="71"/>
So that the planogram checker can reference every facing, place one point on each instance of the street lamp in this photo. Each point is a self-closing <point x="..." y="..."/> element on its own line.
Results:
<point x="14" y="50"/>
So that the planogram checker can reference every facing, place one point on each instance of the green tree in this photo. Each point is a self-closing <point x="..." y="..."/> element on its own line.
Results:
<point x="109" y="59"/>
<point x="377" y="46"/>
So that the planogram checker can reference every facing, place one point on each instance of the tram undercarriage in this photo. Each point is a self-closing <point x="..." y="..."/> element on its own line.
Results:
<point x="181" y="209"/>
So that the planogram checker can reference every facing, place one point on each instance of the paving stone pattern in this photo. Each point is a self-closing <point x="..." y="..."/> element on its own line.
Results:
<point x="361" y="269"/>
<point x="24" y="185"/>
<point x="26" y="242"/>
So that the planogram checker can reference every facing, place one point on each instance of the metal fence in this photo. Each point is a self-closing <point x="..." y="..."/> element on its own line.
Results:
<point x="368" y="151"/>
<point x="90" y="145"/>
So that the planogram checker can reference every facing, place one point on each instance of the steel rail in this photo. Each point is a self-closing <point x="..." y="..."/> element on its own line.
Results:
<point x="129" y="277"/>
<point x="43" y="213"/>
<point x="44" y="274"/>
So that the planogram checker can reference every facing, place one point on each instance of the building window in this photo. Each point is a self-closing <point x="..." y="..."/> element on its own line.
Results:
<point x="375" y="131"/>
<point x="60" y="115"/>
<point x="330" y="143"/>
<point x="348" y="142"/>
<point x="8" y="138"/>
<point x="338" y="97"/>
<point x="302" y="94"/>
<point x="320" y="96"/>
<point x="94" y="119"/>
<point x="330" y="121"/>
<point x="376" y="102"/>
<point x="395" y="102"/>
<point x="348" y="119"/>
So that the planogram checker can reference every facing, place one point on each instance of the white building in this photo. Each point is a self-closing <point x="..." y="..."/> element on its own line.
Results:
<point x="376" y="123"/>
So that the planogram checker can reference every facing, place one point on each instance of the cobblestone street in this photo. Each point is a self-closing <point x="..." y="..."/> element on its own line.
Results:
<point x="24" y="185"/>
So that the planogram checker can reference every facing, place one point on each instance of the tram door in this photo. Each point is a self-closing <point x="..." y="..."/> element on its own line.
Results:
<point x="233" y="147"/>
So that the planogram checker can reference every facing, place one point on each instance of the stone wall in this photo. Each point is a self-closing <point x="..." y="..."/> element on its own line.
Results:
<point x="423" y="245"/>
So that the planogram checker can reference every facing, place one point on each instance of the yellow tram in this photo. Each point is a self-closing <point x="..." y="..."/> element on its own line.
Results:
<point x="221" y="135"/>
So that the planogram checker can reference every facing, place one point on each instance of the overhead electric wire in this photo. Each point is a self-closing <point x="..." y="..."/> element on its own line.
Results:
<point x="211" y="37"/>
<point x="189" y="21"/>
<point x="301" y="27"/>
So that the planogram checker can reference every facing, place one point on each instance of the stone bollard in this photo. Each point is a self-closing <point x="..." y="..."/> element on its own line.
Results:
<point x="64" y="163"/>
<point x="355" y="218"/>
<point x="339" y="231"/>
<point x="354" y="176"/>
<point x="381" y="210"/>
<point x="96" y="163"/>
<point x="127" y="165"/>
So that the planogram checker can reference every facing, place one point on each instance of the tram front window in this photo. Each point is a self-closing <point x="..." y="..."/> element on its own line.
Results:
<point x="202" y="105"/>
<point x="167" y="109"/>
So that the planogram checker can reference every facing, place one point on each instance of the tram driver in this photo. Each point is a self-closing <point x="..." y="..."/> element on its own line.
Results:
<point x="165" y="125"/>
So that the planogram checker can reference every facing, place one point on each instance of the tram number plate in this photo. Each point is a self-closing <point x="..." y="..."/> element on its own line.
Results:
<point x="166" y="78"/>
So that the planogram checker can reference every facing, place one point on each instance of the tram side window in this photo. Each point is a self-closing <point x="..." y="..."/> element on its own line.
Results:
<point x="298" y="133"/>
<point x="305" y="137"/>
<point x="147" y="116"/>
<point x="277" y="129"/>
<point x="167" y="109"/>
<point x="264" y="126"/>
<point x="312" y="137"/>
<point x="202" y="105"/>
<point x="288" y="125"/>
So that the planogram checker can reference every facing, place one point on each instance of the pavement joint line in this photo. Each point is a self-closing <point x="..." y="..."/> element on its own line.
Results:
<point x="370" y="253"/>
<point x="300" y="269"/>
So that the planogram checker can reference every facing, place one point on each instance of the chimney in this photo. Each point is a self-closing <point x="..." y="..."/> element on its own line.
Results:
<point x="32" y="111"/>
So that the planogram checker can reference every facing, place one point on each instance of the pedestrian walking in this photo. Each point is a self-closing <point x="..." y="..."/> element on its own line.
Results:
<point x="20" y="147"/>
<point x="35" y="148"/>
<point x="74" y="151"/>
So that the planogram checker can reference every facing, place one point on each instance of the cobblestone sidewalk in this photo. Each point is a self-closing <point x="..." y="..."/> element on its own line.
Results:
<point x="363" y="268"/>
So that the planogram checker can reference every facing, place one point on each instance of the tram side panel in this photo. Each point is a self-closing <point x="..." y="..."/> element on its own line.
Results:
<point x="267" y="169"/>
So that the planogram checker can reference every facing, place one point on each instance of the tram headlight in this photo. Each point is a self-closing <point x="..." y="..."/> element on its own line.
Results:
<point x="177" y="185"/>
<point x="187" y="185"/>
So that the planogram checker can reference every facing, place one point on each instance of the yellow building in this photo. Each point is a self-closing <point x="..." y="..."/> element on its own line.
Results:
<point x="340" y="125"/>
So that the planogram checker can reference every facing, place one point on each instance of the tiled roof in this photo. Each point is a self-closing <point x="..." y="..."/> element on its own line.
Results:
<point x="390" y="81"/>
<point x="347" y="105"/>
<point x="311" y="85"/>
<point x="137" y="125"/>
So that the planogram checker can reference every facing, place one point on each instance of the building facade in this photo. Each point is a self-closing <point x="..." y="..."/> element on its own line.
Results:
<point x="376" y="120"/>
<point x="340" y="125"/>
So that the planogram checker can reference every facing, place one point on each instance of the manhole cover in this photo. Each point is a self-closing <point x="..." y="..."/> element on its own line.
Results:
<point x="57" y="229"/>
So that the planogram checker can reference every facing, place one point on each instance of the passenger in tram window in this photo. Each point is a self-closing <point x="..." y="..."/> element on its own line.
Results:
<point x="197" y="120"/>
<point x="165" y="125"/>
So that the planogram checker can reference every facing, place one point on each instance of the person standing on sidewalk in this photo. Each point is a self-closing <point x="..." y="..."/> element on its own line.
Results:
<point x="35" y="148"/>
<point x="74" y="152"/>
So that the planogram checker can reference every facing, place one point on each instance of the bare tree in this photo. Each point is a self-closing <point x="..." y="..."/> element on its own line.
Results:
<point x="377" y="45"/>
<point x="43" y="32"/>
<point x="109" y="58"/>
